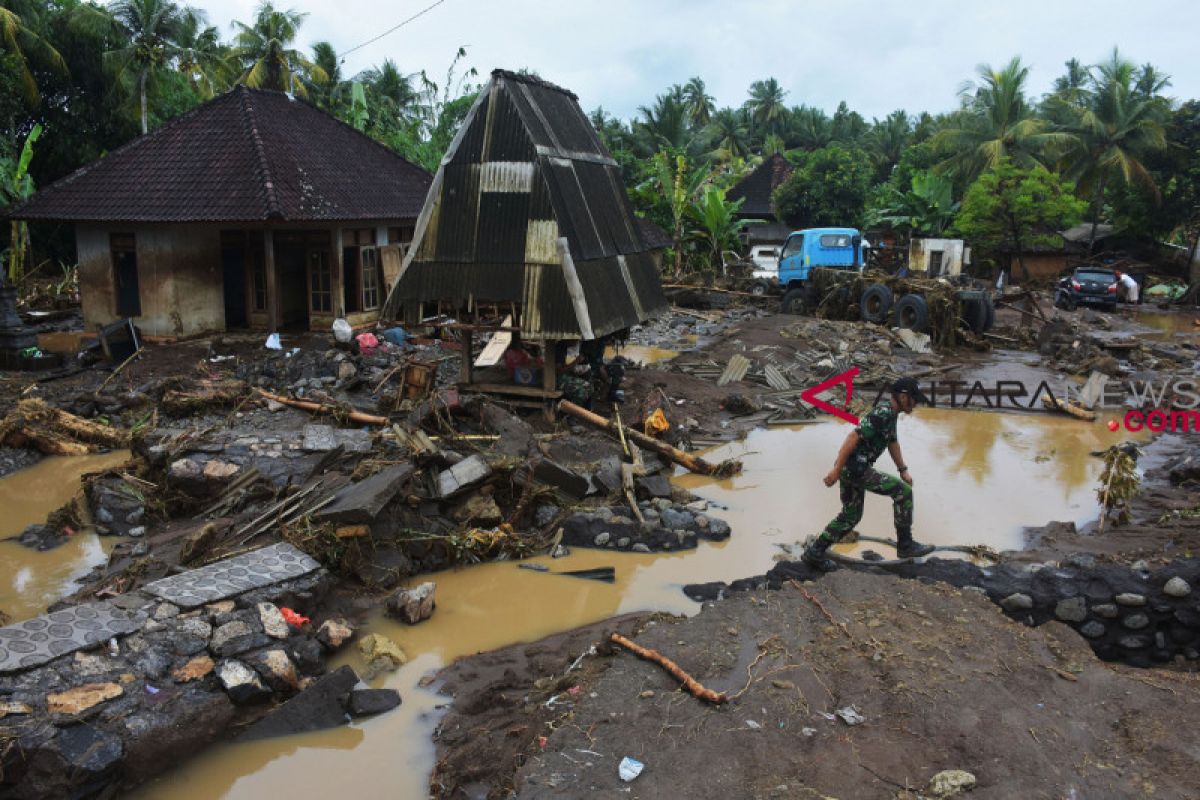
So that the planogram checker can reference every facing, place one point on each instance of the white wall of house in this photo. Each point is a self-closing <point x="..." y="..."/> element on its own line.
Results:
<point x="951" y="255"/>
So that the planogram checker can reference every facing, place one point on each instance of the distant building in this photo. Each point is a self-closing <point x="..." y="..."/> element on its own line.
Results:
<point x="936" y="258"/>
<point x="528" y="212"/>
<point x="1050" y="261"/>
<point x="755" y="191"/>
<point x="252" y="210"/>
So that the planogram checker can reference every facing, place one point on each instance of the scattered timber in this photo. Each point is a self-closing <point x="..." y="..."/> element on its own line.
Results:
<point x="691" y="684"/>
<point x="57" y="433"/>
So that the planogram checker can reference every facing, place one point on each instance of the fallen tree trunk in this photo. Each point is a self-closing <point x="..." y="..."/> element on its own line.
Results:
<point x="54" y="432"/>
<point x="685" y="460"/>
<point x="181" y="403"/>
<point x="308" y="405"/>
<point x="691" y="684"/>
<point x="1068" y="407"/>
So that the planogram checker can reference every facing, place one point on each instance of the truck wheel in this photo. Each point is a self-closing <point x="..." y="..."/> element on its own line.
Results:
<point x="876" y="302"/>
<point x="793" y="302"/>
<point x="759" y="288"/>
<point x="912" y="312"/>
<point x="975" y="314"/>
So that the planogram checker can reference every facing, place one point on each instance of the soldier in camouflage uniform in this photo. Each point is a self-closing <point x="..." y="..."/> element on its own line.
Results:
<point x="856" y="475"/>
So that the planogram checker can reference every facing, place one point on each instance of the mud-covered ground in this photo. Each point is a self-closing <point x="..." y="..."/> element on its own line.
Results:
<point x="941" y="678"/>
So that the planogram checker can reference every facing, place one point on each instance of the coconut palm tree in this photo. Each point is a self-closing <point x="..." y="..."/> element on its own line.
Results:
<point x="886" y="140"/>
<point x="200" y="55"/>
<point x="766" y="107"/>
<point x="268" y="61"/>
<point x="1114" y="131"/>
<point x="729" y="134"/>
<point x="808" y="128"/>
<point x="698" y="103"/>
<point x="393" y="90"/>
<point x="19" y="37"/>
<point x="664" y="124"/>
<point x="150" y="29"/>
<point x="996" y="122"/>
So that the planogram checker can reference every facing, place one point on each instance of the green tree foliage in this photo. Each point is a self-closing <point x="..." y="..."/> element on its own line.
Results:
<point x="150" y="30"/>
<point x="766" y="106"/>
<point x="1012" y="208"/>
<point x="828" y="188"/>
<point x="926" y="209"/>
<point x="16" y="185"/>
<point x="698" y="103"/>
<point x="996" y="123"/>
<point x="200" y="55"/>
<point x="21" y="37"/>
<point x="714" y="223"/>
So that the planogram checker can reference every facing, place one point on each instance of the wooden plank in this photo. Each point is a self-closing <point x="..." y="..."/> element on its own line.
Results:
<point x="735" y="370"/>
<point x="776" y="379"/>
<point x="505" y="388"/>
<point x="496" y="346"/>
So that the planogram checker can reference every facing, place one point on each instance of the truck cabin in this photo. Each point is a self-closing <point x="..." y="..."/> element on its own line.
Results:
<point x="834" y="248"/>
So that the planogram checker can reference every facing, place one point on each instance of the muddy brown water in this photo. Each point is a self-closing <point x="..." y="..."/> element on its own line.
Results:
<point x="979" y="478"/>
<point x="29" y="580"/>
<point x="1169" y="325"/>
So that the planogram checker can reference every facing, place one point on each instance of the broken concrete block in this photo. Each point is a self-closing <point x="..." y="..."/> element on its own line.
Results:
<point x="568" y="481"/>
<point x="273" y="623"/>
<point x="241" y="683"/>
<point x="334" y="633"/>
<point x="917" y="342"/>
<point x="361" y="502"/>
<point x="516" y="435"/>
<point x="413" y="605"/>
<point x="81" y="698"/>
<point x="365" y="702"/>
<point x="217" y="470"/>
<point x="235" y="637"/>
<point x="463" y="475"/>
<point x="316" y="708"/>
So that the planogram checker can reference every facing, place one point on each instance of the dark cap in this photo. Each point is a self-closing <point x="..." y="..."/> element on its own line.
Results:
<point x="910" y="387"/>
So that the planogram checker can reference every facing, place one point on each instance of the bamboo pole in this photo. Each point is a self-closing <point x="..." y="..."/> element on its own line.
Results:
<point x="308" y="405"/>
<point x="686" y="460"/>
<point x="691" y="684"/>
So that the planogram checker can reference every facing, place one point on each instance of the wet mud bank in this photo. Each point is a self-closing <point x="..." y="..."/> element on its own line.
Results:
<point x="1137" y="617"/>
<point x="856" y="685"/>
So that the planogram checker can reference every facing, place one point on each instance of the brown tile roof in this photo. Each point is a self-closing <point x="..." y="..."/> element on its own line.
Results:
<point x="247" y="156"/>
<point x="758" y="186"/>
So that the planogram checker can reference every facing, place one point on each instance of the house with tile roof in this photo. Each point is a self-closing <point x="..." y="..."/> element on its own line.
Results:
<point x="755" y="192"/>
<point x="253" y="210"/>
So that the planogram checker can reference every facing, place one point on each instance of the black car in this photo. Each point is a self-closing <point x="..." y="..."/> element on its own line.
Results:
<point x="1087" y="286"/>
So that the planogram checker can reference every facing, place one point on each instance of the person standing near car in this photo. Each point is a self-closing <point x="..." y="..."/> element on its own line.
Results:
<point x="853" y="470"/>
<point x="1129" y="287"/>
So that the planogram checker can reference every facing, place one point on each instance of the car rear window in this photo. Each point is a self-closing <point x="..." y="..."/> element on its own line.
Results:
<point x="1095" y="276"/>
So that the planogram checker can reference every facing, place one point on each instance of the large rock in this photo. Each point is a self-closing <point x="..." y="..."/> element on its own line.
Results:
<point x="377" y="646"/>
<point x="365" y="702"/>
<point x="334" y="633"/>
<point x="1072" y="609"/>
<point x="235" y="637"/>
<point x="361" y="502"/>
<point x="273" y="623"/>
<point x="565" y="480"/>
<point x="316" y="708"/>
<point x="323" y="438"/>
<point x="479" y="510"/>
<point x="241" y="683"/>
<point x="413" y="605"/>
<point x="156" y="737"/>
<point x="276" y="669"/>
<point x="950" y="783"/>
<point x="1177" y="587"/>
<point x="193" y="670"/>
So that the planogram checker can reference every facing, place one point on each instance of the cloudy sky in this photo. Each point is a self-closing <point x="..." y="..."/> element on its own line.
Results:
<point x="877" y="56"/>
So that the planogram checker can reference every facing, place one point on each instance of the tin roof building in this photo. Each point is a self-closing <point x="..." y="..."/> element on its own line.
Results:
<point x="528" y="211"/>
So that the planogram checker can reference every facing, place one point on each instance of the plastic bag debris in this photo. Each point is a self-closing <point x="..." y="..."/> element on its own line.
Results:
<point x="397" y="336"/>
<point x="656" y="423"/>
<point x="342" y="330"/>
<point x="850" y="715"/>
<point x="367" y="342"/>
<point x="292" y="618"/>
<point x="273" y="342"/>
<point x="630" y="768"/>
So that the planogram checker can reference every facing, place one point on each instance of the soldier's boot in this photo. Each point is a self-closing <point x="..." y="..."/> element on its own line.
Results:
<point x="815" y="555"/>
<point x="907" y="547"/>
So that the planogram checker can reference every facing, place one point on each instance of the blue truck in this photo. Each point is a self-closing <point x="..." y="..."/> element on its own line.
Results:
<point x="815" y="261"/>
<point x="812" y="248"/>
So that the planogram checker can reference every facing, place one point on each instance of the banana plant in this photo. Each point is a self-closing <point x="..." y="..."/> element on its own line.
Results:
<point x="20" y="187"/>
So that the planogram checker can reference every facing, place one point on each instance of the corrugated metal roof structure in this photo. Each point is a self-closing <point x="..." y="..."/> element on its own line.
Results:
<point x="756" y="188"/>
<point x="249" y="155"/>
<point x="528" y="208"/>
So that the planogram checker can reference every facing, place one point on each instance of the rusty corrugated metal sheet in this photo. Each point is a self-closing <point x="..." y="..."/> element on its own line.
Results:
<point x="529" y="171"/>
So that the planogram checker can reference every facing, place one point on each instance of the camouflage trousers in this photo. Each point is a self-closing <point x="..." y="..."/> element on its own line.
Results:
<point x="854" y="490"/>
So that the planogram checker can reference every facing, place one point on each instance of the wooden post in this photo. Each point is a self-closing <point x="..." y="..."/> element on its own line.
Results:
<point x="549" y="374"/>
<point x="272" y="282"/>
<point x="468" y="355"/>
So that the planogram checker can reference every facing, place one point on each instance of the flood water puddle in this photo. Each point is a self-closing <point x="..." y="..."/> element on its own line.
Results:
<point x="978" y="477"/>
<point x="31" y="580"/>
